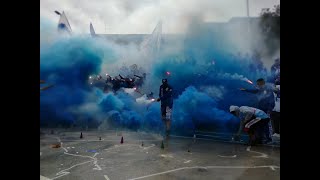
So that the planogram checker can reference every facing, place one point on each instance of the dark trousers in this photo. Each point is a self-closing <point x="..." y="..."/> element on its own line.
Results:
<point x="275" y="121"/>
<point x="253" y="134"/>
<point x="263" y="132"/>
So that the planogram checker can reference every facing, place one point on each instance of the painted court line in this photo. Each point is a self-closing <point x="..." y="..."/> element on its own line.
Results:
<point x="103" y="140"/>
<point x="107" y="178"/>
<point x="213" y="133"/>
<point x="152" y="145"/>
<point x="263" y="155"/>
<point x="232" y="142"/>
<point x="272" y="167"/>
<point x="221" y="137"/>
<point x="234" y="156"/>
<point x="65" y="171"/>
<point x="44" y="178"/>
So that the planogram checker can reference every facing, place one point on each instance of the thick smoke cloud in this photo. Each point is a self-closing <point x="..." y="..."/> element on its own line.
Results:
<point x="204" y="75"/>
<point x="140" y="16"/>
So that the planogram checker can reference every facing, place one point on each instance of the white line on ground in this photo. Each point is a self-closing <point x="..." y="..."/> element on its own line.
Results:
<point x="232" y="142"/>
<point x="205" y="139"/>
<point x="116" y="140"/>
<point x="272" y="167"/>
<point x="95" y="155"/>
<point x="234" y="156"/>
<point x="211" y="136"/>
<point x="95" y="162"/>
<point x="59" y="140"/>
<point x="107" y="178"/>
<point x="44" y="178"/>
<point x="213" y="133"/>
<point x="152" y="145"/>
<point x="64" y="172"/>
<point x="166" y="155"/>
<point x="79" y="155"/>
<point x="263" y="155"/>
<point x="123" y="145"/>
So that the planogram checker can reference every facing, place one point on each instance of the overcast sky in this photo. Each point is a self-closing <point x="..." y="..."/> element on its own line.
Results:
<point x="141" y="16"/>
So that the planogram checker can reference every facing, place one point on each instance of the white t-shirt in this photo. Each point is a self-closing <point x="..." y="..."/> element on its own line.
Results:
<point x="246" y="111"/>
<point x="277" y="101"/>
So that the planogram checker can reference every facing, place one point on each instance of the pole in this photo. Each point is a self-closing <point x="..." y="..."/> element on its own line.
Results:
<point x="249" y="24"/>
<point x="248" y="14"/>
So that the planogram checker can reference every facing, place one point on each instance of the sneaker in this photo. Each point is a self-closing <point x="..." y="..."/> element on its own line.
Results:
<point x="276" y="135"/>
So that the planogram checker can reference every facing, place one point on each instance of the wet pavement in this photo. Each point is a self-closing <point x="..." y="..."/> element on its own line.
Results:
<point x="141" y="157"/>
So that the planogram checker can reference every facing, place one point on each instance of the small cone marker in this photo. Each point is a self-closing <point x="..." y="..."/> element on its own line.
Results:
<point x="81" y="136"/>
<point x="162" y="145"/>
<point x="188" y="150"/>
<point x="100" y="138"/>
<point x="194" y="136"/>
<point x="121" y="140"/>
<point x="142" y="144"/>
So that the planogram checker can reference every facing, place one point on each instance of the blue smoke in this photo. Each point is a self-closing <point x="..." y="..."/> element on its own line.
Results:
<point x="67" y="63"/>
<point x="204" y="75"/>
<point x="194" y="108"/>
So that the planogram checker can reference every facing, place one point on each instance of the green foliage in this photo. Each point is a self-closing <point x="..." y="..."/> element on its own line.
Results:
<point x="270" y="23"/>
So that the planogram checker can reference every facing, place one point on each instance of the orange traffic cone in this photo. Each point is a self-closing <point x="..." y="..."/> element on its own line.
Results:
<point x="121" y="140"/>
<point x="100" y="138"/>
<point x="81" y="136"/>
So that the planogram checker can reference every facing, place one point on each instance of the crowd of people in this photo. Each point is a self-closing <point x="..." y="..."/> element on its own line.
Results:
<point x="132" y="78"/>
<point x="261" y="122"/>
<point x="256" y="121"/>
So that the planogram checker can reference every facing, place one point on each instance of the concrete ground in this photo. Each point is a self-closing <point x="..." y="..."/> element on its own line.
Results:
<point x="182" y="158"/>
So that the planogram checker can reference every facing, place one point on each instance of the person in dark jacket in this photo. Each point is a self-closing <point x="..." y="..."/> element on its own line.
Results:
<point x="266" y="102"/>
<point x="166" y="98"/>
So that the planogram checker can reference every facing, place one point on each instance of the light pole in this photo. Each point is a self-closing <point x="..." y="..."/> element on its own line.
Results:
<point x="248" y="12"/>
<point x="249" y="25"/>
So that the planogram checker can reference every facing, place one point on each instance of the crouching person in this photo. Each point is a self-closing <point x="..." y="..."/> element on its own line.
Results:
<point x="250" y="119"/>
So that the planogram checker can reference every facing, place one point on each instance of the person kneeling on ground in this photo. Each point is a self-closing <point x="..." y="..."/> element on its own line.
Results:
<point x="250" y="119"/>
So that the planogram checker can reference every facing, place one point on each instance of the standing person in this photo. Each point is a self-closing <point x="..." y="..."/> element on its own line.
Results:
<point x="275" y="114"/>
<point x="116" y="84"/>
<point x="250" y="120"/>
<point x="265" y="95"/>
<point x="166" y="98"/>
<point x="266" y="103"/>
<point x="141" y="79"/>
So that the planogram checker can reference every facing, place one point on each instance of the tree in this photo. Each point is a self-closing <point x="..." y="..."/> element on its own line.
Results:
<point x="270" y="26"/>
<point x="270" y="21"/>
